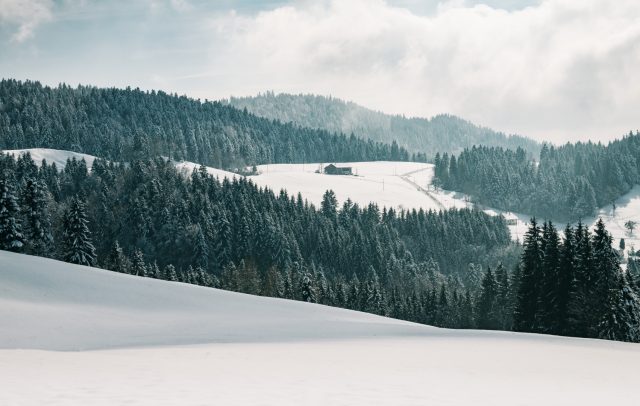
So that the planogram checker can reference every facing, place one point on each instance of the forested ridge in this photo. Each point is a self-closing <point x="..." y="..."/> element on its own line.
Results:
<point x="127" y="124"/>
<point x="455" y="268"/>
<point x="568" y="182"/>
<point x="424" y="137"/>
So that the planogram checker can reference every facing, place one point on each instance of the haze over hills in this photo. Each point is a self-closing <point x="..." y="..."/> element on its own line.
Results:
<point x="441" y="133"/>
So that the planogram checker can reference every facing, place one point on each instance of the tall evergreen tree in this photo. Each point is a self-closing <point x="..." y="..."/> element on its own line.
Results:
<point x="37" y="218"/>
<point x="566" y="281"/>
<point x="548" y="319"/>
<point x="487" y="311"/>
<point x="11" y="237"/>
<point x="77" y="245"/>
<point x="527" y="304"/>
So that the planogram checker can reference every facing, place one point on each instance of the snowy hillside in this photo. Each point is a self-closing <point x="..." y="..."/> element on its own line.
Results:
<point x="59" y="157"/>
<point x="627" y="208"/>
<point x="131" y="334"/>
<point x="401" y="185"/>
<point x="82" y="308"/>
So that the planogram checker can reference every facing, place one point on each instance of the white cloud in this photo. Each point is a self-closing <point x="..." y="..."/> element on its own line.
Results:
<point x="559" y="70"/>
<point x="26" y="15"/>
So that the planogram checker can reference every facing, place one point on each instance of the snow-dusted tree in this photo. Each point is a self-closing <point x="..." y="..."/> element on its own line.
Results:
<point x="307" y="290"/>
<point x="11" y="237"/>
<point x="37" y="219"/>
<point x="527" y="305"/>
<point x="117" y="260"/>
<point x="170" y="273"/>
<point x="154" y="271"/>
<point x="201" y="250"/>
<point x="621" y="319"/>
<point x="77" y="245"/>
<point x="138" y="266"/>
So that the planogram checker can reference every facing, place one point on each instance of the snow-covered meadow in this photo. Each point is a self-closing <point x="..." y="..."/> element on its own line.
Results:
<point x="75" y="335"/>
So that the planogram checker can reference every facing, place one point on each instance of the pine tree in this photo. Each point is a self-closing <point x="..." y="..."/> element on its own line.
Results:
<point x="117" y="260"/>
<point x="77" y="245"/>
<point x="11" y="237"/>
<point x="307" y="290"/>
<point x="526" y="312"/>
<point x="170" y="273"/>
<point x="566" y="281"/>
<point x="620" y="319"/>
<point x="580" y="320"/>
<point x="329" y="204"/>
<point x="548" y="320"/>
<point x="487" y="310"/>
<point x="36" y="213"/>
<point x="138" y="266"/>
<point x="201" y="250"/>
<point x="606" y="277"/>
<point x="503" y="303"/>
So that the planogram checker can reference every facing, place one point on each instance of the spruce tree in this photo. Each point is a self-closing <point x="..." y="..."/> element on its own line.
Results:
<point x="138" y="266"/>
<point x="11" y="237"/>
<point x="580" y="320"/>
<point x="117" y="260"/>
<point x="566" y="281"/>
<point x="487" y="310"/>
<point x="170" y="273"/>
<point x="606" y="278"/>
<point x="548" y="301"/>
<point x="37" y="218"/>
<point x="77" y="246"/>
<point x="527" y="302"/>
<point x="503" y="302"/>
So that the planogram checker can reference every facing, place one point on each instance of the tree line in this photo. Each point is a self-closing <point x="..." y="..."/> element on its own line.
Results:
<point x="147" y="219"/>
<point x="128" y="124"/>
<point x="568" y="182"/>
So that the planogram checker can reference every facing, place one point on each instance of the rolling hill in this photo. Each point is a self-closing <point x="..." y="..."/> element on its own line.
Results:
<point x="77" y="335"/>
<point x="442" y="133"/>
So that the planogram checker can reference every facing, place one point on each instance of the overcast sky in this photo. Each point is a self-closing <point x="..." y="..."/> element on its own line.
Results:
<point x="558" y="70"/>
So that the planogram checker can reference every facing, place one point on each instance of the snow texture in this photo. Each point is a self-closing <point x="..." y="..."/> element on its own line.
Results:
<point x="73" y="335"/>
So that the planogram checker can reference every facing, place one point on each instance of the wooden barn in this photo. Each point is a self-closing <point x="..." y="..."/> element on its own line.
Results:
<point x="331" y="169"/>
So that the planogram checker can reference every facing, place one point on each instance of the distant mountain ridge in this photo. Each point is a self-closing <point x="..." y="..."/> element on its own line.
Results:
<point x="441" y="133"/>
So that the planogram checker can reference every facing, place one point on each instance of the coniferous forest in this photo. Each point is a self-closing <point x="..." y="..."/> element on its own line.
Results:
<point x="455" y="268"/>
<point x="420" y="136"/>
<point x="568" y="182"/>
<point x="127" y="124"/>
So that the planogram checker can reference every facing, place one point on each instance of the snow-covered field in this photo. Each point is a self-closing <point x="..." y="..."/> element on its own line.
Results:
<point x="385" y="183"/>
<point x="401" y="185"/>
<point x="73" y="335"/>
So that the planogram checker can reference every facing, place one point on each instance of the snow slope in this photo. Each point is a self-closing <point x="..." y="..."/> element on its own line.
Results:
<point x="129" y="334"/>
<point x="188" y="167"/>
<point x="627" y="208"/>
<point x="385" y="183"/>
<point x="52" y="155"/>
<point x="82" y="308"/>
